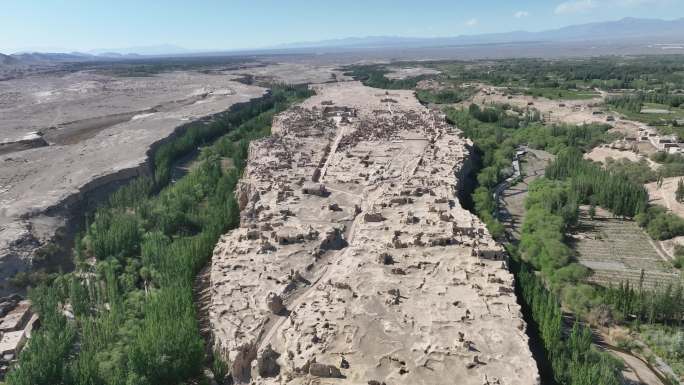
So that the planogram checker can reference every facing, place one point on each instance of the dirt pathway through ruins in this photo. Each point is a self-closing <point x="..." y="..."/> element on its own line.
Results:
<point x="325" y="274"/>
<point x="333" y="150"/>
<point x="298" y="300"/>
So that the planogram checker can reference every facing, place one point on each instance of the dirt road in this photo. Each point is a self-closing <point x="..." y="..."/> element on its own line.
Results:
<point x="636" y="371"/>
<point x="512" y="205"/>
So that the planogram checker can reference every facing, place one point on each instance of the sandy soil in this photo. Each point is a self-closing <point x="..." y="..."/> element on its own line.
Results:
<point x="669" y="245"/>
<point x="54" y="102"/>
<point x="88" y="101"/>
<point x="601" y="153"/>
<point x="409" y="72"/>
<point x="574" y="111"/>
<point x="630" y="129"/>
<point x="665" y="195"/>
<point x="295" y="73"/>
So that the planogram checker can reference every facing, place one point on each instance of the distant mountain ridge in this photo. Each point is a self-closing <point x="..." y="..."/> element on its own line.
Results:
<point x="7" y="60"/>
<point x="163" y="49"/>
<point x="620" y="30"/>
<point x="629" y="30"/>
<point x="49" y="57"/>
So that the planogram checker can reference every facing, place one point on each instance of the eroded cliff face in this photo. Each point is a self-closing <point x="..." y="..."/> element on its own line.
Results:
<point x="42" y="189"/>
<point x="355" y="262"/>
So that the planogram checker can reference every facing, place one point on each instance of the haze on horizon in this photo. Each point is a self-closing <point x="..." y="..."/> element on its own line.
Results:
<point x="81" y="25"/>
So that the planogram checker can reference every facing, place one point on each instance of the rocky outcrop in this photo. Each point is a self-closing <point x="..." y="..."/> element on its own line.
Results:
<point x="275" y="303"/>
<point x="385" y="277"/>
<point x="29" y="141"/>
<point x="324" y="371"/>
<point x="267" y="362"/>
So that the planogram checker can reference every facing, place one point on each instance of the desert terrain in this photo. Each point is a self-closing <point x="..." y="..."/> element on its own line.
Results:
<point x="430" y="194"/>
<point x="66" y="134"/>
<point x="355" y="259"/>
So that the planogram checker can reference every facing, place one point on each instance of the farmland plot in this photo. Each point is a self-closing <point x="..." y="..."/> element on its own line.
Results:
<point x="618" y="250"/>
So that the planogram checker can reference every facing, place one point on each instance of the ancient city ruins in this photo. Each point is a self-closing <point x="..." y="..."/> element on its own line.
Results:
<point x="355" y="262"/>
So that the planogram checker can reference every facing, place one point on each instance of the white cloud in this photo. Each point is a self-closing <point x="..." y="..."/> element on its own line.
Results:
<point x="640" y="3"/>
<point x="521" y="14"/>
<point x="471" y="22"/>
<point x="575" y="6"/>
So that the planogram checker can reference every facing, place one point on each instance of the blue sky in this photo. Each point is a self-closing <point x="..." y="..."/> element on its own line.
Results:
<point x="234" y="24"/>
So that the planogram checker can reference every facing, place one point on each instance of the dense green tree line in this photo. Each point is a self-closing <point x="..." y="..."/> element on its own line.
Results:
<point x="374" y="76"/>
<point x="550" y="210"/>
<point x="641" y="172"/>
<point x="591" y="182"/>
<point x="635" y="102"/>
<point x="609" y="73"/>
<point x="573" y="360"/>
<point x="200" y="133"/>
<point x="552" y="206"/>
<point x="659" y="223"/>
<point x="662" y="305"/>
<point x="131" y="297"/>
<point x="671" y="164"/>
<point x="497" y="131"/>
<point x="495" y="146"/>
<point x="443" y="96"/>
<point x="637" y="172"/>
<point x="616" y="190"/>
<point x="644" y="73"/>
<point x="613" y="189"/>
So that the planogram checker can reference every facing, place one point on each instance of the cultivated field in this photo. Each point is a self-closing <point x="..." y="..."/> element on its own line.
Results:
<point x="618" y="250"/>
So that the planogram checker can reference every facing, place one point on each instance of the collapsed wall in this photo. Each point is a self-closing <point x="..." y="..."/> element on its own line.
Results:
<point x="355" y="262"/>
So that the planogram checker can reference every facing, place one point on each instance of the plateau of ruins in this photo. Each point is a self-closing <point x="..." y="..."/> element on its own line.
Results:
<point x="355" y="262"/>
